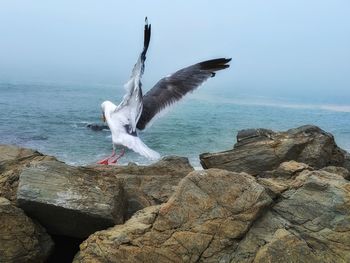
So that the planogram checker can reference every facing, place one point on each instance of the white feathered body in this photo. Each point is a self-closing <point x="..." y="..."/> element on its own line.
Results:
<point x="119" y="118"/>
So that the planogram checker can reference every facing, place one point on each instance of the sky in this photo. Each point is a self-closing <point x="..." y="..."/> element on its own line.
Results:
<point x="293" y="49"/>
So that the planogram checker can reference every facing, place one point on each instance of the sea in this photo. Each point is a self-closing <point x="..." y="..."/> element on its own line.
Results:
<point x="52" y="119"/>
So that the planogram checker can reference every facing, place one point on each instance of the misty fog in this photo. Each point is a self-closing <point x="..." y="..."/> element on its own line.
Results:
<point x="295" y="49"/>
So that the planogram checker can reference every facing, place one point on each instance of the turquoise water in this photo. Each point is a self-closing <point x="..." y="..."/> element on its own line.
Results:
<point x="53" y="118"/>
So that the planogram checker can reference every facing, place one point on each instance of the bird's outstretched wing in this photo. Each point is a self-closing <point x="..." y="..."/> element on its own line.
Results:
<point x="131" y="105"/>
<point x="172" y="88"/>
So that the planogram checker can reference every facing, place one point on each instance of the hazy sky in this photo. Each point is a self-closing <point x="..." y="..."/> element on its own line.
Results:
<point x="289" y="48"/>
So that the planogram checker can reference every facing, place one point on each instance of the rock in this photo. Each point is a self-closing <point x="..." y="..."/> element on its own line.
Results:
<point x="78" y="201"/>
<point x="263" y="150"/>
<point x="347" y="160"/>
<point x="310" y="223"/>
<point x="12" y="160"/>
<point x="10" y="154"/>
<point x="202" y="222"/>
<point x="290" y="168"/>
<point x="21" y="240"/>
<point x="284" y="247"/>
<point x="274" y="186"/>
<point x="250" y="135"/>
<point x="286" y="170"/>
<point x="222" y="216"/>
<point x="97" y="127"/>
<point x="338" y="170"/>
<point x="148" y="185"/>
<point x="284" y="177"/>
<point x="70" y="201"/>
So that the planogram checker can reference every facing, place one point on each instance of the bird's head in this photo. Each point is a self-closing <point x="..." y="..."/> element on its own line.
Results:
<point x="107" y="108"/>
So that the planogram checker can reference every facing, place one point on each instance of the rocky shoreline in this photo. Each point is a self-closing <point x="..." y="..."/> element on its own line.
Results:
<point x="274" y="197"/>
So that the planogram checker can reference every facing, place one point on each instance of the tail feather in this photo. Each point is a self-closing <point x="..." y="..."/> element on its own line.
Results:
<point x="134" y="143"/>
<point x="145" y="151"/>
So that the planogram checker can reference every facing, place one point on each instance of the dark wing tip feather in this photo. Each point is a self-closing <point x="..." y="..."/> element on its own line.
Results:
<point x="215" y="64"/>
<point x="147" y="38"/>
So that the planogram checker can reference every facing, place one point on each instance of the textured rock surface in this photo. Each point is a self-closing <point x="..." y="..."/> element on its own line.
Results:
<point x="21" y="240"/>
<point x="77" y="201"/>
<point x="69" y="200"/>
<point x="309" y="223"/>
<point x="284" y="177"/>
<point x="12" y="160"/>
<point x="203" y="221"/>
<point x="338" y="170"/>
<point x="221" y="216"/>
<point x="259" y="150"/>
<point x="148" y="185"/>
<point x="288" y="211"/>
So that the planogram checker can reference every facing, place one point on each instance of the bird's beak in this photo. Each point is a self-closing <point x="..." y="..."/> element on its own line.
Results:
<point x="103" y="117"/>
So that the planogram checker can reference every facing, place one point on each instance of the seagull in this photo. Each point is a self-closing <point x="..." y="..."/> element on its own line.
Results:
<point x="136" y="110"/>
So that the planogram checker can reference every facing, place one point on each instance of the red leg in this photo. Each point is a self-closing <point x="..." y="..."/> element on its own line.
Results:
<point x="105" y="161"/>
<point x="121" y="154"/>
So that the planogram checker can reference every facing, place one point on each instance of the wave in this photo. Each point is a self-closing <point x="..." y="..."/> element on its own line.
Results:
<point x="338" y="108"/>
<point x="274" y="103"/>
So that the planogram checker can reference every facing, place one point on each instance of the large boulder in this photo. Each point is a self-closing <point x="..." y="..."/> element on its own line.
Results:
<point x="221" y="216"/>
<point x="203" y="221"/>
<point x="68" y="200"/>
<point x="21" y="240"/>
<point x="309" y="222"/>
<point x="148" y="185"/>
<point x="12" y="161"/>
<point x="259" y="150"/>
<point x="77" y="201"/>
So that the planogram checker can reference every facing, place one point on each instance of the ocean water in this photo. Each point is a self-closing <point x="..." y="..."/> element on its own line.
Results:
<point x="53" y="119"/>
